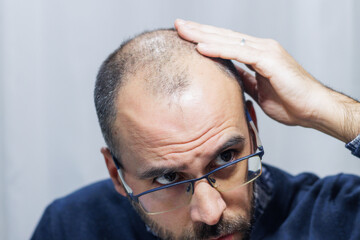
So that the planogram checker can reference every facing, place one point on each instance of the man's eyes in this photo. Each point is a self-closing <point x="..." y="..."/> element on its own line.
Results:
<point x="225" y="157"/>
<point x="167" y="178"/>
<point x="222" y="159"/>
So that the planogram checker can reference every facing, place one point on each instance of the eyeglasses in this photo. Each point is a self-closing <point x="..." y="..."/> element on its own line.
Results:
<point x="229" y="176"/>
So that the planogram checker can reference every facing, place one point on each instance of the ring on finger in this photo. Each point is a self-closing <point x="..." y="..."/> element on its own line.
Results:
<point x="242" y="42"/>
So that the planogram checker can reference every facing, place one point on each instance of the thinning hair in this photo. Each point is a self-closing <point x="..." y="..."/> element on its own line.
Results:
<point x="162" y="58"/>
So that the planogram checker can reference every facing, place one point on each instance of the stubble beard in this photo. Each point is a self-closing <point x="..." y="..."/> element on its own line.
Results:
<point x="239" y="224"/>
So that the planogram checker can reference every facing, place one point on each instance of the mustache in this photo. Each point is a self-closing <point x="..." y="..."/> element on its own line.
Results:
<point x="223" y="227"/>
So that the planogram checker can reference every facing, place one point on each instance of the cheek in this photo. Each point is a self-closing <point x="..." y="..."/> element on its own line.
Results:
<point x="175" y="221"/>
<point x="238" y="201"/>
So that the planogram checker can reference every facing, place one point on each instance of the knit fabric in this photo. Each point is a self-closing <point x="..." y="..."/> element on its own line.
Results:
<point x="354" y="146"/>
<point x="296" y="207"/>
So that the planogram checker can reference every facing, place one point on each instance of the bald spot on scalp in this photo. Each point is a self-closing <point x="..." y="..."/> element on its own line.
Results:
<point x="160" y="61"/>
<point x="141" y="116"/>
<point x="163" y="60"/>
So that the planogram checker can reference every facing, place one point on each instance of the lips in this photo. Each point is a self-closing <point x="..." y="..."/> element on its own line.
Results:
<point x="225" y="237"/>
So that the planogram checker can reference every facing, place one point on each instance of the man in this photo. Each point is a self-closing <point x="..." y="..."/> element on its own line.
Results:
<point x="183" y="146"/>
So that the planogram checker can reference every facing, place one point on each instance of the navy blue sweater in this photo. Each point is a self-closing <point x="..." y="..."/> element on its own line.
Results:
<point x="299" y="207"/>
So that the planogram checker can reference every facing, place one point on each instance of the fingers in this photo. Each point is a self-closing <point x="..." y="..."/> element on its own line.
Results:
<point x="250" y="67"/>
<point x="222" y="43"/>
<point x="184" y="26"/>
<point x="202" y="27"/>
<point x="226" y="44"/>
<point x="241" y="53"/>
<point x="197" y="36"/>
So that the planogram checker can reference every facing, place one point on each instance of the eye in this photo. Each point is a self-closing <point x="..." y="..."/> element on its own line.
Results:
<point x="225" y="157"/>
<point x="167" y="178"/>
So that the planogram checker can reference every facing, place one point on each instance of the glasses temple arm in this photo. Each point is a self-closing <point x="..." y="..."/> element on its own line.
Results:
<point x="117" y="164"/>
<point x="252" y="125"/>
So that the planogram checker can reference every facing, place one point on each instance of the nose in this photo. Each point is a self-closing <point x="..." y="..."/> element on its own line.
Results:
<point x="207" y="205"/>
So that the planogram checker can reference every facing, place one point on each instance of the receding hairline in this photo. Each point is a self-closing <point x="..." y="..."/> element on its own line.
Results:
<point x="159" y="53"/>
<point x="164" y="59"/>
<point x="184" y="50"/>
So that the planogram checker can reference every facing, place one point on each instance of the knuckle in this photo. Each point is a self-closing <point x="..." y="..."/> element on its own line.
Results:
<point x="275" y="50"/>
<point x="274" y="44"/>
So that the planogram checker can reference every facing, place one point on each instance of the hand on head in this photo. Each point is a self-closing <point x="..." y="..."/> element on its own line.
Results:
<point x="282" y="88"/>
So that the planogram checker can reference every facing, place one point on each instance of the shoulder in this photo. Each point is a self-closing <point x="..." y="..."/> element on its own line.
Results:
<point x="331" y="188"/>
<point x="87" y="200"/>
<point x="96" y="211"/>
<point x="311" y="206"/>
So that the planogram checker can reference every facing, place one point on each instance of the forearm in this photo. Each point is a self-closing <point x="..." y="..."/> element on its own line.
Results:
<point x="339" y="116"/>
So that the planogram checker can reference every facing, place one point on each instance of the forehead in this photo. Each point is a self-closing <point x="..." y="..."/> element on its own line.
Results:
<point x="152" y="127"/>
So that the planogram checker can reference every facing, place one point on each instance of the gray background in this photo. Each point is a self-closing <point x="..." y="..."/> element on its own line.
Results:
<point x="50" y="54"/>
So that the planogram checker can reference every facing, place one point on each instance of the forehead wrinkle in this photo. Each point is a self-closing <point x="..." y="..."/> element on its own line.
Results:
<point x="171" y="162"/>
<point x="152" y="128"/>
<point x="158" y="169"/>
<point x="168" y="141"/>
<point x="152" y="135"/>
<point x="149" y="143"/>
<point x="197" y="141"/>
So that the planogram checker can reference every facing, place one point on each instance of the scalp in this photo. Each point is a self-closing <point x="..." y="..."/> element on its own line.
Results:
<point x="160" y="60"/>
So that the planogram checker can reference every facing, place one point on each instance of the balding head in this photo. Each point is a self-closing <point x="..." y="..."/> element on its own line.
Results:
<point x="160" y="61"/>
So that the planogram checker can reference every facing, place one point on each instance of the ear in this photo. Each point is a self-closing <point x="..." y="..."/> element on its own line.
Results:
<point x="251" y="110"/>
<point x="113" y="171"/>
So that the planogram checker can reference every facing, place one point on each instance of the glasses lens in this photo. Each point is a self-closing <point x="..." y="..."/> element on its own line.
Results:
<point x="233" y="176"/>
<point x="236" y="175"/>
<point x="254" y="168"/>
<point x="167" y="199"/>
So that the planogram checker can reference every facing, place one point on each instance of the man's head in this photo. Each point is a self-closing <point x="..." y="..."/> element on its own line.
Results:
<point x="161" y="106"/>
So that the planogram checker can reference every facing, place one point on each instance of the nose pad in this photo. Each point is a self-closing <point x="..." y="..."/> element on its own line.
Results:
<point x="190" y="188"/>
<point x="212" y="181"/>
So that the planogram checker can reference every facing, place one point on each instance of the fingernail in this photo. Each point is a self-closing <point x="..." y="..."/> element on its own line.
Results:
<point x="180" y="21"/>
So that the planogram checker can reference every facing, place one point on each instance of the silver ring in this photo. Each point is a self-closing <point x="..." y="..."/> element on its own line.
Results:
<point x="242" y="43"/>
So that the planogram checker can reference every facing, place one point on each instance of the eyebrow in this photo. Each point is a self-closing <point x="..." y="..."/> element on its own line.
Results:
<point x="153" y="172"/>
<point x="159" y="171"/>
<point x="233" y="141"/>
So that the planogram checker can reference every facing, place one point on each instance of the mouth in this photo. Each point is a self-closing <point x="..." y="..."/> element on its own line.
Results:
<point x="225" y="237"/>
